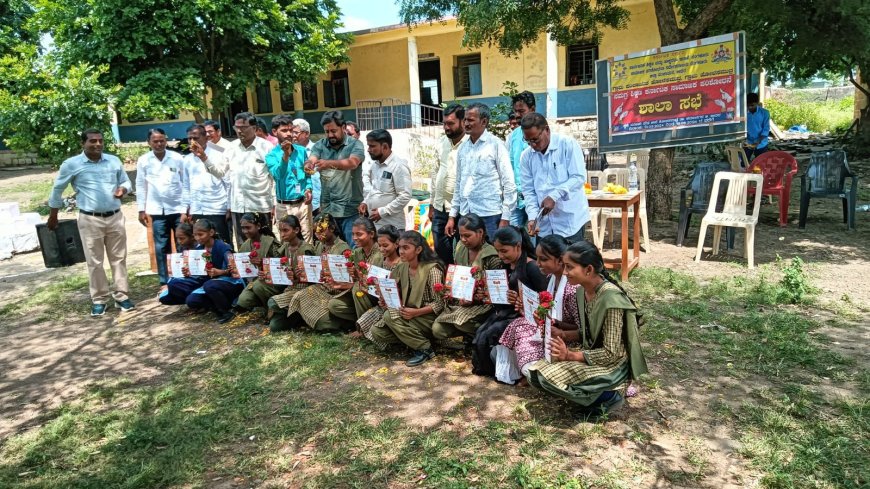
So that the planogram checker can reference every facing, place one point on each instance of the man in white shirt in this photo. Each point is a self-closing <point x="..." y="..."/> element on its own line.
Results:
<point x="552" y="174"/>
<point x="351" y="128"/>
<point x="302" y="133"/>
<point x="484" y="177"/>
<point x="214" y="135"/>
<point x="444" y="180"/>
<point x="390" y="178"/>
<point x="159" y="188"/>
<point x="205" y="196"/>
<point x="250" y="180"/>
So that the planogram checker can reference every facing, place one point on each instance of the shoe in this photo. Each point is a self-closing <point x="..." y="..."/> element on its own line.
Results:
<point x="606" y="403"/>
<point x="226" y="317"/>
<point x="125" y="305"/>
<point x="420" y="357"/>
<point x="98" y="310"/>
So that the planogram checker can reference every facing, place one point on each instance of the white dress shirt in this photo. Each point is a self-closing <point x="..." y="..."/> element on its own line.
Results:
<point x="204" y="194"/>
<point x="159" y="184"/>
<point x="390" y="190"/>
<point x="484" y="179"/>
<point x="558" y="173"/>
<point x="251" y="182"/>
<point x="444" y="179"/>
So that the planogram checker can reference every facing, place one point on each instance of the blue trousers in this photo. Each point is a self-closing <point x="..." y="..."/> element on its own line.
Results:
<point x="491" y="223"/>
<point x="215" y="295"/>
<point x="345" y="226"/>
<point x="162" y="228"/>
<point x="179" y="288"/>
<point x="443" y="244"/>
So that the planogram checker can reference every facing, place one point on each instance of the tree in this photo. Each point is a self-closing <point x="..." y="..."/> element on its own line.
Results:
<point x="512" y="25"/>
<point x="799" y="39"/>
<point x="170" y="55"/>
<point x="13" y="17"/>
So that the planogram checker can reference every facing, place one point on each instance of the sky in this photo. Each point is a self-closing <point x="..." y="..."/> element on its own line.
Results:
<point x="365" y="14"/>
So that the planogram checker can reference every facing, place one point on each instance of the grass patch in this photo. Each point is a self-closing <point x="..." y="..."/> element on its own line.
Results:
<point x="33" y="196"/>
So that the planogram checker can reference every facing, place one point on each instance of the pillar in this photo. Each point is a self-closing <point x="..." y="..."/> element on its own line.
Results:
<point x="552" y="78"/>
<point x="414" y="82"/>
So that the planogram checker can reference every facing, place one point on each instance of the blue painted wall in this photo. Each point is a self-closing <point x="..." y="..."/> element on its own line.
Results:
<point x="576" y="103"/>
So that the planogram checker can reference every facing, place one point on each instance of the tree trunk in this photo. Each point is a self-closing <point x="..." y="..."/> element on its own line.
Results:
<point x="659" y="183"/>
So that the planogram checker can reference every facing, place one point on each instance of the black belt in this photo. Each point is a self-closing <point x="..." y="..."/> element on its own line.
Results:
<point x="99" y="214"/>
<point x="292" y="202"/>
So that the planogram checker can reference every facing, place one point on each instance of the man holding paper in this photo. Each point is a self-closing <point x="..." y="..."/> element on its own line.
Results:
<point x="553" y="174"/>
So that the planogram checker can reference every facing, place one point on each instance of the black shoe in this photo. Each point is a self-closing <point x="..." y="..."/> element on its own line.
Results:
<point x="606" y="403"/>
<point x="225" y="317"/>
<point x="420" y="357"/>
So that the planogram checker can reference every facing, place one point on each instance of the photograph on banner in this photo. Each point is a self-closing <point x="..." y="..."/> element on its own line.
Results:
<point x="693" y="86"/>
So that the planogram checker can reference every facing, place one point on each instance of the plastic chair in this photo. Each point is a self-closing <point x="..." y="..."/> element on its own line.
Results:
<point x="733" y="213"/>
<point x="620" y="177"/>
<point x="642" y="159"/>
<point x="826" y="178"/>
<point x="778" y="168"/>
<point x="594" y="160"/>
<point x="596" y="180"/>
<point x="736" y="157"/>
<point x="701" y="188"/>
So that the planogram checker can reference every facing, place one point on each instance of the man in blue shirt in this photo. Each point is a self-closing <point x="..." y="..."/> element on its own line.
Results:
<point x="292" y="185"/>
<point x="100" y="182"/>
<point x="522" y="103"/>
<point x="757" y="128"/>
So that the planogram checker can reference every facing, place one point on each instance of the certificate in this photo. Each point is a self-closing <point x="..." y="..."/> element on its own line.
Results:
<point x="390" y="293"/>
<point x="377" y="273"/>
<point x="242" y="266"/>
<point x="530" y="303"/>
<point x="276" y="274"/>
<point x="462" y="283"/>
<point x="196" y="263"/>
<point x="497" y="286"/>
<point x="312" y="266"/>
<point x="177" y="262"/>
<point x="338" y="268"/>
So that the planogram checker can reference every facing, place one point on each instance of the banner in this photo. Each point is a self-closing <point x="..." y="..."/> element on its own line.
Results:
<point x="682" y="94"/>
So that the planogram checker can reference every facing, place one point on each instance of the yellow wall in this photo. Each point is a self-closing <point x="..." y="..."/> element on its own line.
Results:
<point x="379" y="71"/>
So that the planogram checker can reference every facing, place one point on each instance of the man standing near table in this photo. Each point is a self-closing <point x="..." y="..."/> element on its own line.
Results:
<point x="337" y="158"/>
<point x="391" y="182"/>
<point x="484" y="177"/>
<point x="286" y="163"/>
<point x="100" y="182"/>
<point x="205" y="196"/>
<point x="159" y="191"/>
<point x="552" y="174"/>
<point x="444" y="180"/>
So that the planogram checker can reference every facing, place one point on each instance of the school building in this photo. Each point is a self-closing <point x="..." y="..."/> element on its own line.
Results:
<point x="397" y="77"/>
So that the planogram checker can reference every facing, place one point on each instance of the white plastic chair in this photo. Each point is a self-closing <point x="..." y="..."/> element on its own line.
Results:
<point x="736" y="157"/>
<point x="597" y="180"/>
<point x="733" y="212"/>
<point x="642" y="157"/>
<point x="620" y="175"/>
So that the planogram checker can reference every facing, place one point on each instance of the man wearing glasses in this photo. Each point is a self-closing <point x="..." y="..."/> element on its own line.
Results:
<point x="214" y="135"/>
<point x="250" y="180"/>
<point x="552" y="174"/>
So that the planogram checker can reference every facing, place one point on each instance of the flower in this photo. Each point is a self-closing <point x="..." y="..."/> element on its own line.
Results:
<point x="546" y="305"/>
<point x="256" y="245"/>
<point x="347" y="254"/>
<point x="438" y="287"/>
<point x="206" y="256"/>
<point x="284" y="260"/>
<point x="253" y="254"/>
<point x="362" y="265"/>
<point x="545" y="296"/>
<point x="209" y="265"/>
<point x="359" y="293"/>
<point x="473" y="270"/>
<point x="247" y="270"/>
<point x="349" y="264"/>
<point x="371" y="281"/>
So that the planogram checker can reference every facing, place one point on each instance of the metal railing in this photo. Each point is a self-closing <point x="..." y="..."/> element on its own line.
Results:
<point x="392" y="113"/>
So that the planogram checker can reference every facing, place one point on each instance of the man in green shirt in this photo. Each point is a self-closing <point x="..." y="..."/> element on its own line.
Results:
<point x="337" y="157"/>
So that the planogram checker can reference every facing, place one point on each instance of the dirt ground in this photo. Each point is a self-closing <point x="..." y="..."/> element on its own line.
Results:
<point x="45" y="363"/>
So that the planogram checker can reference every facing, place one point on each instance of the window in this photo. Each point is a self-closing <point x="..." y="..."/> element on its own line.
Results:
<point x="263" y="98"/>
<point x="581" y="64"/>
<point x="287" y="103"/>
<point x="466" y="76"/>
<point x="309" y="96"/>
<point x="336" y="90"/>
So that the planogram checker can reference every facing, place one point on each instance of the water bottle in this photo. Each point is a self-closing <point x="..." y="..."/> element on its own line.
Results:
<point x="632" y="175"/>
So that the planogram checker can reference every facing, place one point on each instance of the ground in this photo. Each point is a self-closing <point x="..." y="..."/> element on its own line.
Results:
<point x="746" y="389"/>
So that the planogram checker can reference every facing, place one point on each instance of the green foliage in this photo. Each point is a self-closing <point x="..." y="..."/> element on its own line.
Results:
<point x="13" y="18"/>
<point x="512" y="25"/>
<point x="44" y="107"/>
<point x="498" y="123"/>
<point x="166" y="53"/>
<point x="794" y="286"/>
<point x="827" y="116"/>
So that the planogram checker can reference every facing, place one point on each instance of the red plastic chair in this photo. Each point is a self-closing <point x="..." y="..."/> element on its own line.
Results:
<point x="778" y="168"/>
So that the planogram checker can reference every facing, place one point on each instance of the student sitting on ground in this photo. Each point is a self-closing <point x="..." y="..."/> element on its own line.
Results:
<point x="178" y="288"/>
<point x="596" y="376"/>
<point x="516" y="252"/>
<point x="524" y="339"/>
<point x="294" y="246"/>
<point x="261" y="243"/>
<point x="365" y="251"/>
<point x="416" y="276"/>
<point x="311" y="305"/>
<point x="371" y="314"/>
<point x="219" y="291"/>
